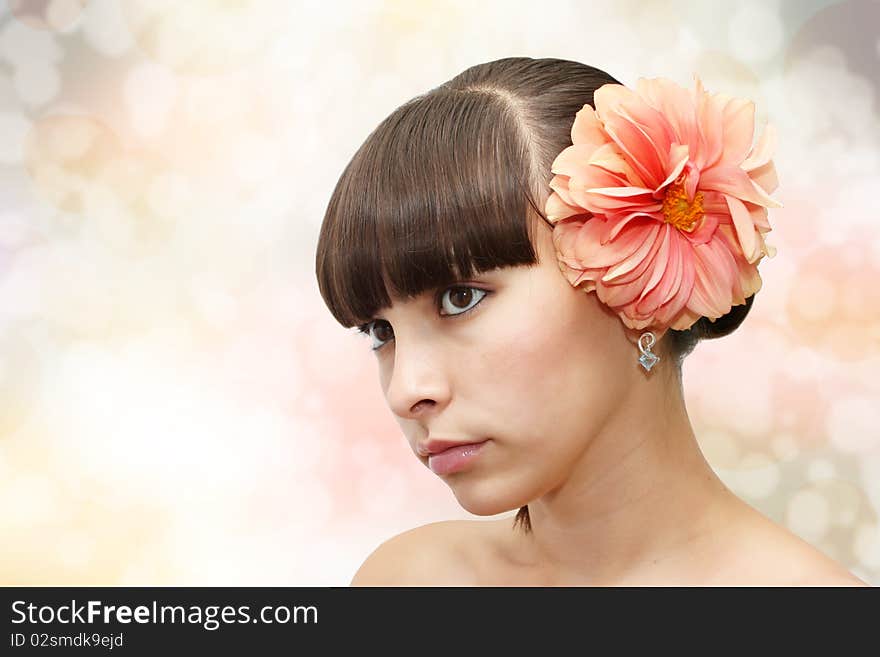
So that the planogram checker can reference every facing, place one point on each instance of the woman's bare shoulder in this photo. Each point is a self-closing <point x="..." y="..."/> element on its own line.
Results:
<point x="773" y="554"/>
<point x="812" y="567"/>
<point x="435" y="554"/>
<point x="469" y="553"/>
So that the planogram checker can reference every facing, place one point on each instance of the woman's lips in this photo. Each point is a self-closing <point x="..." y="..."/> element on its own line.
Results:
<point x="455" y="458"/>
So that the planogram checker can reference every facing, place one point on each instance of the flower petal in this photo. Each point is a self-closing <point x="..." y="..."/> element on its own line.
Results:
<point x="763" y="150"/>
<point x="620" y="294"/>
<point x="710" y="111"/>
<point x="704" y="232"/>
<point x="583" y="278"/>
<point x="675" y="313"/>
<point x="678" y="156"/>
<point x="660" y="262"/>
<point x="641" y="132"/>
<point x="738" y="118"/>
<point x="759" y="216"/>
<point x="556" y="209"/>
<point x="714" y="269"/>
<point x="622" y="221"/>
<point x="601" y="203"/>
<point x="733" y="181"/>
<point x="609" y="158"/>
<point x="765" y="177"/>
<point x="572" y="160"/>
<point x="621" y="191"/>
<point x="675" y="103"/>
<point x="685" y="320"/>
<point x="714" y="202"/>
<point x="679" y="291"/>
<point x="579" y="243"/>
<point x="560" y="185"/>
<point x="646" y="233"/>
<point x="748" y="279"/>
<point x="641" y="153"/>
<point x="590" y="177"/>
<point x="745" y="229"/>
<point x="668" y="297"/>
<point x="587" y="129"/>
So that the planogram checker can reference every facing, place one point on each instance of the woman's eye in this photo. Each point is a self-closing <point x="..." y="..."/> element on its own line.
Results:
<point x="462" y="300"/>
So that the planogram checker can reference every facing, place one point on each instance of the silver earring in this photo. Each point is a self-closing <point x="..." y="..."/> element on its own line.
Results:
<point x="648" y="359"/>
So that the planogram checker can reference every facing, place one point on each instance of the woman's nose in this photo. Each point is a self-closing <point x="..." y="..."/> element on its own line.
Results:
<point x="419" y="380"/>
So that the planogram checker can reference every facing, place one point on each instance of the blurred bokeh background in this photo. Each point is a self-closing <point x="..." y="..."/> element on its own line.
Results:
<point x="177" y="406"/>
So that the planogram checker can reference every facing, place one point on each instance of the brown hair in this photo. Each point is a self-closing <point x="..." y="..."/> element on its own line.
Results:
<point x="448" y="186"/>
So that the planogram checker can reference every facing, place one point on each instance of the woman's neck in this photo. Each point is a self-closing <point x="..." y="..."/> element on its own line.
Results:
<point x="640" y="496"/>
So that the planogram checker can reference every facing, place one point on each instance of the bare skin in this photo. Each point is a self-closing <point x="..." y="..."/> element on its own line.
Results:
<point x="752" y="551"/>
<point x="604" y="454"/>
<point x="756" y="552"/>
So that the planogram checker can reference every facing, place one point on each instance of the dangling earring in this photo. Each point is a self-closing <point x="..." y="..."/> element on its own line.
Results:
<point x="648" y="359"/>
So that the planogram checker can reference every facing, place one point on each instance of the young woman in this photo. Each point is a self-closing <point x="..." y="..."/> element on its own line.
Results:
<point x="461" y="239"/>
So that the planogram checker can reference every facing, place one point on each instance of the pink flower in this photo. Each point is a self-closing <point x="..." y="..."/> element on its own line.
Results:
<point x="660" y="203"/>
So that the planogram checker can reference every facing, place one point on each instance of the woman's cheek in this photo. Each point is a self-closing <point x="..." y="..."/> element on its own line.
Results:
<point x="527" y="372"/>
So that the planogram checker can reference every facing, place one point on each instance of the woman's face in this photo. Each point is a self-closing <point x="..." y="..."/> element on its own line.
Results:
<point x="534" y="365"/>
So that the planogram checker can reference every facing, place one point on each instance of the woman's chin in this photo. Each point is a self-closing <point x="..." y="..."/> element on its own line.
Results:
<point x="480" y="501"/>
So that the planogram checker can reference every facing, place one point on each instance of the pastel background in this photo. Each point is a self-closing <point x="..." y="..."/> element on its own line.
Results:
<point x="178" y="407"/>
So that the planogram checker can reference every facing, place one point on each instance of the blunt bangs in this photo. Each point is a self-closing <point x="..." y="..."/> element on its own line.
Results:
<point x="439" y="191"/>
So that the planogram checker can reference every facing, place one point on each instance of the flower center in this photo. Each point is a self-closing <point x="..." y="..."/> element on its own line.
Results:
<point x="677" y="210"/>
